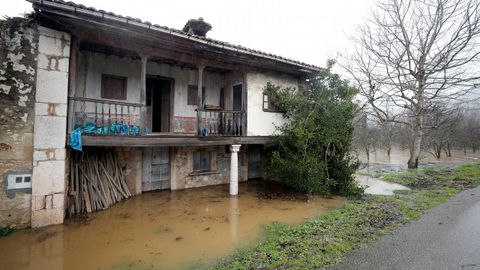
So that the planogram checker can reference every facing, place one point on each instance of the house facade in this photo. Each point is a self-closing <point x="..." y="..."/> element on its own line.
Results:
<point x="178" y="109"/>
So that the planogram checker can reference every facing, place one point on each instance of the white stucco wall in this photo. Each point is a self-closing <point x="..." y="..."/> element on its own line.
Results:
<point x="261" y="123"/>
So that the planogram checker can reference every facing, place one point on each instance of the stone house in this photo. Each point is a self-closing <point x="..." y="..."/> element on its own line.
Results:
<point x="193" y="107"/>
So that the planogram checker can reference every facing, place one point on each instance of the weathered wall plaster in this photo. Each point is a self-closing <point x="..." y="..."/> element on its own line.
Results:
<point x="18" y="52"/>
<point x="131" y="160"/>
<point x="262" y="123"/>
<point x="182" y="175"/>
<point x="49" y="156"/>
<point x="91" y="66"/>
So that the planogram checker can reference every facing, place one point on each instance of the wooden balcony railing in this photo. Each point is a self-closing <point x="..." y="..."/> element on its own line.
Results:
<point x="113" y="118"/>
<point x="222" y="123"/>
<point x="107" y="118"/>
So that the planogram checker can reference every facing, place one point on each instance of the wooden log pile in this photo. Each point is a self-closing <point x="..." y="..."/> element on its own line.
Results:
<point x="96" y="181"/>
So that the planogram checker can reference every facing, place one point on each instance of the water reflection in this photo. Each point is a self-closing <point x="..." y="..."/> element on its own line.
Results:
<point x="161" y="230"/>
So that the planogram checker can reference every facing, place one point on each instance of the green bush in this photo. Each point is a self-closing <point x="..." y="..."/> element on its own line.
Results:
<point x="312" y="154"/>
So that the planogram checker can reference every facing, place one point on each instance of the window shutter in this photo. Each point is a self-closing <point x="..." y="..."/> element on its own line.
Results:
<point x="114" y="87"/>
<point x="192" y="94"/>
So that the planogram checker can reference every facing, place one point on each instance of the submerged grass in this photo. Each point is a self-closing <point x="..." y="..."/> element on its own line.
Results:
<point x="323" y="240"/>
<point x="4" y="231"/>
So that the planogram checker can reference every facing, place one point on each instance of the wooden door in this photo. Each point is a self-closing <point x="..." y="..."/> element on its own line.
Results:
<point x="158" y="104"/>
<point x="255" y="161"/>
<point x="156" y="169"/>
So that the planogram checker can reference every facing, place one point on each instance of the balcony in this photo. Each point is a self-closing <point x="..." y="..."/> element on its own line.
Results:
<point x="222" y="123"/>
<point x="112" y="123"/>
<point x="107" y="118"/>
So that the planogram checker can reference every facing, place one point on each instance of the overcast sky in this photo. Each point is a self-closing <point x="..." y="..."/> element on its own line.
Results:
<point x="309" y="31"/>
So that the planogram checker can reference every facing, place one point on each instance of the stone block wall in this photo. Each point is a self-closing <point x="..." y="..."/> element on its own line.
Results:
<point x="49" y="153"/>
<point x="131" y="159"/>
<point x="18" y="52"/>
<point x="182" y="175"/>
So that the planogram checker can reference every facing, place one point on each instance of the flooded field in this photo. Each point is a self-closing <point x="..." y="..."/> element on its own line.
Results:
<point x="397" y="161"/>
<point x="380" y="161"/>
<point x="161" y="230"/>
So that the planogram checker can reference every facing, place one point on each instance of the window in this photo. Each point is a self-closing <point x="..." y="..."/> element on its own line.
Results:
<point x="269" y="105"/>
<point x="114" y="87"/>
<point x="192" y="95"/>
<point x="201" y="161"/>
<point x="18" y="181"/>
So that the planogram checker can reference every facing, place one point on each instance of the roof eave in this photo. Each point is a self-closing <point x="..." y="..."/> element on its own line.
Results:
<point x="106" y="16"/>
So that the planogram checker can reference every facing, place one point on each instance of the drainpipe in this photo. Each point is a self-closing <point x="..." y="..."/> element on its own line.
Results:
<point x="234" y="148"/>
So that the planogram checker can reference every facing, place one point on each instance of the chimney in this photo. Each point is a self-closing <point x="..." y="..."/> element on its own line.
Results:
<point x="197" y="27"/>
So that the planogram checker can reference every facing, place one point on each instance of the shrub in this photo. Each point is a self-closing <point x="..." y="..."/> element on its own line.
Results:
<point x="312" y="152"/>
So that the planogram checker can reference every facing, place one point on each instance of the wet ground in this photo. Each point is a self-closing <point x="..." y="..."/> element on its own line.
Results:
<point x="380" y="162"/>
<point x="162" y="230"/>
<point x="376" y="186"/>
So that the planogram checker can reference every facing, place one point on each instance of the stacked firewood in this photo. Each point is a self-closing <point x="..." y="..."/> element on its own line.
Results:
<point x="96" y="181"/>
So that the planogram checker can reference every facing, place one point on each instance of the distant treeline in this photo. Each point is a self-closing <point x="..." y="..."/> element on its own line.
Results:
<point x="445" y="129"/>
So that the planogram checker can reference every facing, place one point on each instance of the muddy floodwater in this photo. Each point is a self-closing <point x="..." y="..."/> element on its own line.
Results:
<point x="162" y="230"/>
<point x="380" y="162"/>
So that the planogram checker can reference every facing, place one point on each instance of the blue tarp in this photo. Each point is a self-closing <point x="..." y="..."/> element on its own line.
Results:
<point x="113" y="129"/>
<point x="76" y="139"/>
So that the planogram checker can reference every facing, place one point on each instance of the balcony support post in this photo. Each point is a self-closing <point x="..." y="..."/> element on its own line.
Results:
<point x="72" y="78"/>
<point x="244" y="103"/>
<point x="143" y="93"/>
<point x="200" y="104"/>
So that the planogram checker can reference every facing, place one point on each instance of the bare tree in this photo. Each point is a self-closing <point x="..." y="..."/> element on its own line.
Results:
<point x="412" y="54"/>
<point x="443" y="121"/>
<point x="468" y="132"/>
<point x="365" y="136"/>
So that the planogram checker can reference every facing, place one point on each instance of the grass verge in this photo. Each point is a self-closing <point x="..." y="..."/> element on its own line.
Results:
<point x="323" y="240"/>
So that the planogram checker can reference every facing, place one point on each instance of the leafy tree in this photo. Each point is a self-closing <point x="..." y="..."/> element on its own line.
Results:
<point x="312" y="154"/>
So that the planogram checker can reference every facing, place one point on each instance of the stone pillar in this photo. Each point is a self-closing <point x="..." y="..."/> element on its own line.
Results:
<point x="234" y="148"/>
<point x="50" y="125"/>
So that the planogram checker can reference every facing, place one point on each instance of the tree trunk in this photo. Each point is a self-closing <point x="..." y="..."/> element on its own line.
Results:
<point x="416" y="146"/>
<point x="437" y="150"/>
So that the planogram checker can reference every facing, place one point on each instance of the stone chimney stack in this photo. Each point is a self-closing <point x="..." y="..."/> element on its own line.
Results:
<point x="197" y="27"/>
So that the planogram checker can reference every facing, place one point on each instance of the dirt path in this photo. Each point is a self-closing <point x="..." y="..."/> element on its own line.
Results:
<point x="447" y="237"/>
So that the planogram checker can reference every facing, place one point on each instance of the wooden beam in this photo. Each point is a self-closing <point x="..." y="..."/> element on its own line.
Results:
<point x="143" y="90"/>
<point x="200" y="104"/>
<point x="118" y="37"/>
<point x="160" y="141"/>
<point x="72" y="78"/>
<point x="244" y="102"/>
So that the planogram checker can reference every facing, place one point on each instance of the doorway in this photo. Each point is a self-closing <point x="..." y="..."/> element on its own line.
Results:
<point x="159" y="92"/>
<point x="237" y="97"/>
<point x="156" y="169"/>
<point x="255" y="155"/>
